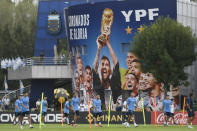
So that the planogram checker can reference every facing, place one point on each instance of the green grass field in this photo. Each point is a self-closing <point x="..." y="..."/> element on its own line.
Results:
<point x="56" y="127"/>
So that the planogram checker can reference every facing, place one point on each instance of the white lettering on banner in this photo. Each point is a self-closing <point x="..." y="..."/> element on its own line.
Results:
<point x="140" y="14"/>
<point x="50" y="117"/>
<point x="58" y="118"/>
<point x="81" y="21"/>
<point x="177" y="118"/>
<point x="35" y="117"/>
<point x="152" y="14"/>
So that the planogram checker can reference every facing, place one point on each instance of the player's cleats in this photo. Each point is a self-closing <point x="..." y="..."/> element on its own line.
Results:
<point x="21" y="126"/>
<point x="136" y="125"/>
<point x="30" y="126"/>
<point x="127" y="125"/>
<point x="190" y="127"/>
<point x="100" y="125"/>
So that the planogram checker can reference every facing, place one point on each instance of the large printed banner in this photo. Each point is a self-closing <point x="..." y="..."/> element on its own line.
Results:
<point x="177" y="118"/>
<point x="100" y="36"/>
<point x="55" y="117"/>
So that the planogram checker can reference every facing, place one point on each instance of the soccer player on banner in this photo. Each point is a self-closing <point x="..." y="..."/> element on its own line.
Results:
<point x="97" y="110"/>
<point x="131" y="102"/>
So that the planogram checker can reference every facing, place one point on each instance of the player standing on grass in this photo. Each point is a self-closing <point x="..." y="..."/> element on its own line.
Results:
<point x="18" y="110"/>
<point x="97" y="110"/>
<point x="124" y="110"/>
<point x="75" y="102"/>
<point x="131" y="102"/>
<point x="66" y="110"/>
<point x="190" y="109"/>
<point x="25" y="109"/>
<point x="172" y="110"/>
<point x="166" y="105"/>
<point x="44" y="109"/>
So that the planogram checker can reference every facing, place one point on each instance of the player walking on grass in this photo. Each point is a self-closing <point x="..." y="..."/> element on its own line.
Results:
<point x="190" y="109"/>
<point x="25" y="109"/>
<point x="75" y="102"/>
<point x="124" y="110"/>
<point x="97" y="110"/>
<point x="131" y="102"/>
<point x="44" y="109"/>
<point x="166" y="105"/>
<point x="172" y="110"/>
<point x="66" y="110"/>
<point x="18" y="110"/>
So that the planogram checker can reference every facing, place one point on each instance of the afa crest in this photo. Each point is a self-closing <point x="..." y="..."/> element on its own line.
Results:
<point x="54" y="23"/>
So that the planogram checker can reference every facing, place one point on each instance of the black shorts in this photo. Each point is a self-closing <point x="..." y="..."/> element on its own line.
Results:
<point x="130" y="113"/>
<point x="66" y="114"/>
<point x="99" y="114"/>
<point x="167" y="114"/>
<point x="76" y="113"/>
<point x="25" y="113"/>
<point x="44" y="113"/>
<point x="171" y="114"/>
<point x="17" y="114"/>
<point x="191" y="113"/>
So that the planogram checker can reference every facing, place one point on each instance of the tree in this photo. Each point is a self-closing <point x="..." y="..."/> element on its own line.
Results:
<point x="165" y="48"/>
<point x="17" y="31"/>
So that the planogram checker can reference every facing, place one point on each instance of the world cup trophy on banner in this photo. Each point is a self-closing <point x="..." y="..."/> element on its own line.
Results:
<point x="106" y="23"/>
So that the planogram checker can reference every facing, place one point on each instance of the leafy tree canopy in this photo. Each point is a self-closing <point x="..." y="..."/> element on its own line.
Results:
<point x="165" y="48"/>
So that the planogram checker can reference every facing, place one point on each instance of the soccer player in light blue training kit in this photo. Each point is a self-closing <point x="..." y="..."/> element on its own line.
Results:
<point x="190" y="109"/>
<point x="25" y="109"/>
<point x="131" y="103"/>
<point x="166" y="105"/>
<point x="18" y="110"/>
<point x="66" y="110"/>
<point x="44" y="109"/>
<point x="75" y="102"/>
<point x="97" y="110"/>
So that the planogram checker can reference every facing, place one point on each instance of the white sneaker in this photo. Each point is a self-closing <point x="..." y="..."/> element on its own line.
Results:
<point x="136" y="125"/>
<point x="21" y="126"/>
<point x="30" y="126"/>
<point x="190" y="127"/>
<point x="127" y="125"/>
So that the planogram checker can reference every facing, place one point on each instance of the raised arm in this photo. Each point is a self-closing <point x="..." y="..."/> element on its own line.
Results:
<point x="96" y="60"/>
<point x="112" y="53"/>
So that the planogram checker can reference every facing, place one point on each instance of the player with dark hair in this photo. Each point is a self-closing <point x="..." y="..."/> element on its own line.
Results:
<point x="97" y="110"/>
<point x="66" y="110"/>
<point x="166" y="105"/>
<point x="190" y="109"/>
<point x="44" y="109"/>
<point x="131" y="102"/>
<point x="75" y="102"/>
<point x="25" y="109"/>
<point x="18" y="110"/>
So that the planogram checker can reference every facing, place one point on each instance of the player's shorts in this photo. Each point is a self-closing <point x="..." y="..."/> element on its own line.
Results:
<point x="191" y="113"/>
<point x="167" y="114"/>
<point x="17" y="114"/>
<point x="130" y="113"/>
<point x="25" y="113"/>
<point x="99" y="114"/>
<point x="171" y="114"/>
<point x="44" y="113"/>
<point x="66" y="114"/>
<point x="76" y="113"/>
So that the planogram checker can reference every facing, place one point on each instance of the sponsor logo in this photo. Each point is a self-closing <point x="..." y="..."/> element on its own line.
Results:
<point x="54" y="23"/>
<point x="177" y="118"/>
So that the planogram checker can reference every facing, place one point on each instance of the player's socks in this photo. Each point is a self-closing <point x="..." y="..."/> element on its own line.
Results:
<point x="21" y="126"/>
<point x="72" y="123"/>
<point x="14" y="123"/>
<point x="67" y="120"/>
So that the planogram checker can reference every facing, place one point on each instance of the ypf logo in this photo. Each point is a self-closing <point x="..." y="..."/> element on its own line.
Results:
<point x="91" y="117"/>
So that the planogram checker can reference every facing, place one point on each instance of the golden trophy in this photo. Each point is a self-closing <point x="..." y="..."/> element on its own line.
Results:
<point x="106" y="23"/>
